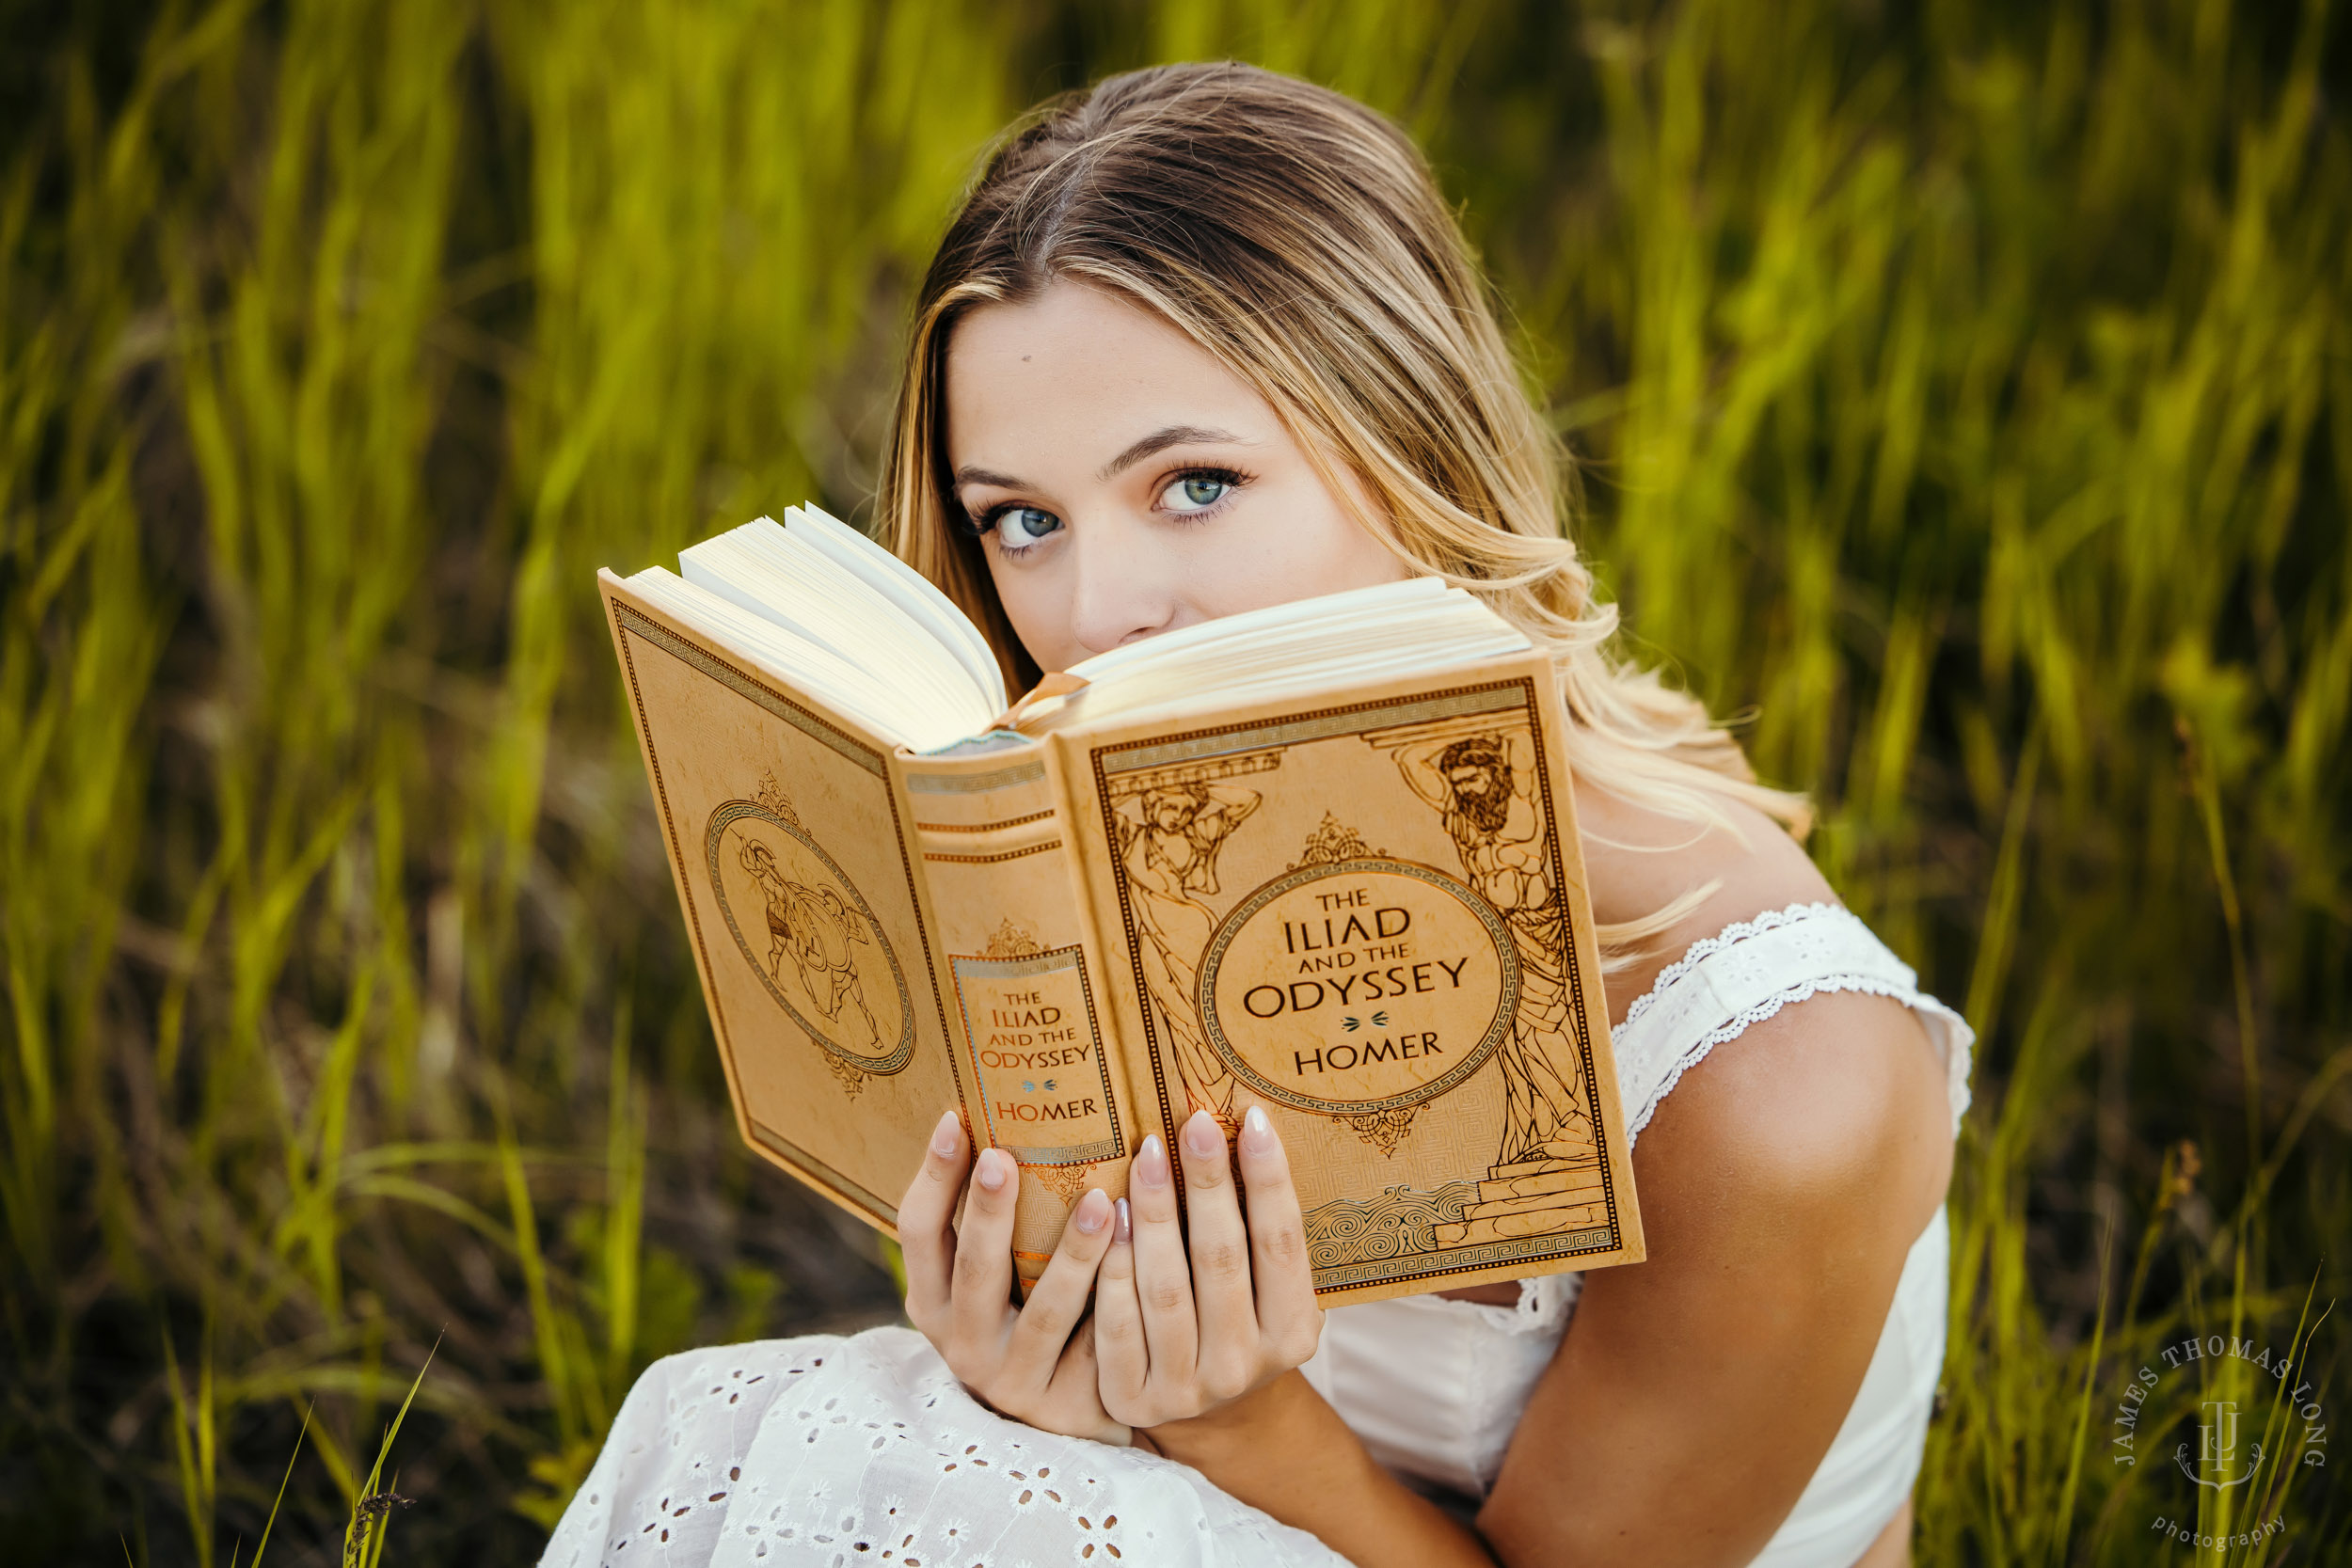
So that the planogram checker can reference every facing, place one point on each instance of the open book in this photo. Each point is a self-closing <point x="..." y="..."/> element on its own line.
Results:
<point x="1320" y="858"/>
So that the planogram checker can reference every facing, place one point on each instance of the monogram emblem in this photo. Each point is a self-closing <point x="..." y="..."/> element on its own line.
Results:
<point x="2219" y="1464"/>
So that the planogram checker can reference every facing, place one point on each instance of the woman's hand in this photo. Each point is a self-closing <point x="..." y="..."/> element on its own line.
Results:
<point x="1025" y="1362"/>
<point x="1177" y="1340"/>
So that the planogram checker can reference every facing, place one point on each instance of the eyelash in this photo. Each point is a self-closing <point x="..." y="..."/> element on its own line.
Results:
<point x="1233" y="479"/>
<point x="986" y="522"/>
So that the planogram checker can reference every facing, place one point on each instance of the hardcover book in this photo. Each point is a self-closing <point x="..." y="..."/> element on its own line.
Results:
<point x="1320" y="859"/>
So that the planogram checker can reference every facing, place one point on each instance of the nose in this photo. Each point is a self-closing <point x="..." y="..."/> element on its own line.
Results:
<point x="1121" y="592"/>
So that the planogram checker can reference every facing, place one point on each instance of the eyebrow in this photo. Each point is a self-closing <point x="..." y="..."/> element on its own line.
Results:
<point x="1161" y="439"/>
<point x="969" y="475"/>
<point x="1158" y="441"/>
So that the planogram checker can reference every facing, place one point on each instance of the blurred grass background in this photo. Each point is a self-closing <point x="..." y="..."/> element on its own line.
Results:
<point x="1965" y="395"/>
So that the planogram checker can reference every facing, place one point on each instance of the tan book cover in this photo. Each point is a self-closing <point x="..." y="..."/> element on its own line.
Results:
<point x="1364" y="911"/>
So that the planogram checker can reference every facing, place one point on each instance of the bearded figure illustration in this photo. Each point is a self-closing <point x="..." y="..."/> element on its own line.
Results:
<point x="814" y="930"/>
<point x="1169" y="833"/>
<point x="1480" y="785"/>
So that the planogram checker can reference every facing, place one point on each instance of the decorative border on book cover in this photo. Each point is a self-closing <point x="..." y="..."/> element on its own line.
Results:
<point x="1504" y="1229"/>
<point x="1466" y="1063"/>
<point x="1041" y="1038"/>
<point x="975" y="783"/>
<point x="811" y="931"/>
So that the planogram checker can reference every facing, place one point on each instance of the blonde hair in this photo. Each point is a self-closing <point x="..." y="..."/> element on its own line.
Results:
<point x="1299" y="238"/>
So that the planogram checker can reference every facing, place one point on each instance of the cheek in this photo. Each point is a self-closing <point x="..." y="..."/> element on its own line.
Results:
<point x="1039" y="611"/>
<point x="1040" y="599"/>
<point x="1293" y="542"/>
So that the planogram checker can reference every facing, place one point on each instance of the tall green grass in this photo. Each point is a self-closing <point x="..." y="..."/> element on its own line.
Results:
<point x="1963" y="393"/>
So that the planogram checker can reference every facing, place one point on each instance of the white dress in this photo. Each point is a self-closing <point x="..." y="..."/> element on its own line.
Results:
<point x="865" y="1449"/>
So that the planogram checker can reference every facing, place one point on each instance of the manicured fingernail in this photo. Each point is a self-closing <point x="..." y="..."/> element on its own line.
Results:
<point x="1124" y="1230"/>
<point x="1091" y="1211"/>
<point x="1201" y="1137"/>
<point x="991" y="1172"/>
<point x="948" y="1137"/>
<point x="1152" y="1162"/>
<point x="1257" y="1132"/>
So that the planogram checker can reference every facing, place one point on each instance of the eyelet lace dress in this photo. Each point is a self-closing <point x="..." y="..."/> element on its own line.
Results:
<point x="866" y="1450"/>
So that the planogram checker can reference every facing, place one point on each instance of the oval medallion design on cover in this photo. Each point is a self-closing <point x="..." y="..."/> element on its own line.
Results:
<point x="1358" y="986"/>
<point x="810" y="936"/>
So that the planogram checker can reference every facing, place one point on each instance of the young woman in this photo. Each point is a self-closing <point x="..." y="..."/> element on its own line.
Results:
<point x="1203" y="339"/>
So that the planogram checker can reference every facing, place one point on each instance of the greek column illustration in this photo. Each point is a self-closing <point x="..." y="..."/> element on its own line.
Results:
<point x="1546" y="1175"/>
<point x="1172" y="827"/>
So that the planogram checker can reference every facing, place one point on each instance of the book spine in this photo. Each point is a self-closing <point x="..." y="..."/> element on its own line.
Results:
<point x="1039" y="1057"/>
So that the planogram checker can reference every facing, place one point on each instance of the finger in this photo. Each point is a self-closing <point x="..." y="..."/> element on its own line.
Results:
<point x="925" y="1236"/>
<point x="980" y="1304"/>
<point x="1290" y="1321"/>
<point x="1123" y="1359"/>
<point x="1075" y="1395"/>
<point x="1220" y="1260"/>
<point x="1163" y="1276"/>
<point x="1059" y="1299"/>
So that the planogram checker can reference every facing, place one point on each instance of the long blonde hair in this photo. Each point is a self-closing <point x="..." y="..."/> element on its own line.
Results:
<point x="1299" y="237"/>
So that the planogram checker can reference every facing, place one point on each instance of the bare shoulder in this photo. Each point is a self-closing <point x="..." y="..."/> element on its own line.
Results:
<point x="1835" y="1105"/>
<point x="1781" y="1186"/>
<point x="1638" y="860"/>
<point x="1826" y="1120"/>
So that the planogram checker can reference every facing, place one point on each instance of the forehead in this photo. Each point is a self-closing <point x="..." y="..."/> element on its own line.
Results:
<point x="1075" y="375"/>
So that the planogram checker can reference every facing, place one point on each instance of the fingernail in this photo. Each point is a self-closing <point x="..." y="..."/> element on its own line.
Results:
<point x="1257" y="1132"/>
<point x="948" y="1137"/>
<point x="1152" y="1162"/>
<point x="990" y="1172"/>
<point x="1091" y="1211"/>
<point x="1201" y="1137"/>
<point x="1124" y="1230"/>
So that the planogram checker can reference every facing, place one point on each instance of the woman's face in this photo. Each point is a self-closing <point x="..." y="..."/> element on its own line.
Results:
<point x="1127" y="484"/>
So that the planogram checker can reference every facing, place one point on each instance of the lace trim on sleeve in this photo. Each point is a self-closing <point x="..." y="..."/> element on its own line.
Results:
<point x="1707" y="948"/>
<point x="1956" y="1062"/>
<point x="1747" y="972"/>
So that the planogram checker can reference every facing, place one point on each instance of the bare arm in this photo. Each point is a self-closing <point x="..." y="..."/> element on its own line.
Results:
<point x="1781" y="1187"/>
<point x="1418" y="765"/>
<point x="1127" y="814"/>
<point x="1692" y="1397"/>
<point x="1694" y="1393"/>
<point x="1206" y="1375"/>
<point x="1285" y="1451"/>
<point x="1522" y="750"/>
<point x="1233" y="803"/>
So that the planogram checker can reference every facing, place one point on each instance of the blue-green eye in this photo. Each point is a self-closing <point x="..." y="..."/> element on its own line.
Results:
<point x="1195" y="492"/>
<point x="1020" y="527"/>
